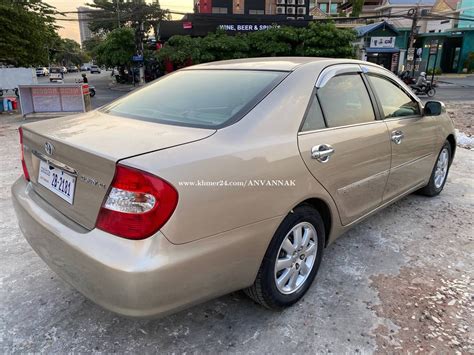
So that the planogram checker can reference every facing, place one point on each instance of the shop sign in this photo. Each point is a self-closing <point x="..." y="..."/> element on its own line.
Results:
<point x="246" y="27"/>
<point x="434" y="46"/>
<point x="382" y="42"/>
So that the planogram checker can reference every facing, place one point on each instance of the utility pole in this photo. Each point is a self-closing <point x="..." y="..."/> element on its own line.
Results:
<point x="141" y="52"/>
<point x="411" y="42"/>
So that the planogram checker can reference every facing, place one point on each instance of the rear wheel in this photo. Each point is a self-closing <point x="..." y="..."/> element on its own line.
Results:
<point x="292" y="260"/>
<point x="431" y="92"/>
<point x="440" y="172"/>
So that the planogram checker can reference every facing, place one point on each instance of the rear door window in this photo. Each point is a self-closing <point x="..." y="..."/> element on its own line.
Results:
<point x="199" y="98"/>
<point x="345" y="101"/>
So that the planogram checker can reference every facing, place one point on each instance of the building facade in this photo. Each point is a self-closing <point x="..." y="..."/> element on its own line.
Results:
<point x="466" y="9"/>
<point x="291" y="9"/>
<point x="83" y="15"/>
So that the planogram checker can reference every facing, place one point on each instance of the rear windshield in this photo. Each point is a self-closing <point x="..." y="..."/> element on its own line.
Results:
<point x="198" y="98"/>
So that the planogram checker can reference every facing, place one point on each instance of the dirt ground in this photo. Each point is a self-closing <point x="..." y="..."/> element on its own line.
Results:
<point x="463" y="115"/>
<point x="399" y="282"/>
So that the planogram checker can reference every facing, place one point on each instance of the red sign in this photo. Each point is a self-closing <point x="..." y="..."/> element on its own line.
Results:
<point x="85" y="89"/>
<point x="187" y="25"/>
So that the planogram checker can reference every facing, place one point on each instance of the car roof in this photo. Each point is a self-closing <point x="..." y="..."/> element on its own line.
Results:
<point x="268" y="63"/>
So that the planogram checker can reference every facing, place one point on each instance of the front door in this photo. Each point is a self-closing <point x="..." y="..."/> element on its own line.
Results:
<point x="413" y="137"/>
<point x="345" y="148"/>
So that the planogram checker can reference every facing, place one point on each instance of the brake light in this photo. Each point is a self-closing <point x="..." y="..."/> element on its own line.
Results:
<point x="23" y="164"/>
<point x="138" y="204"/>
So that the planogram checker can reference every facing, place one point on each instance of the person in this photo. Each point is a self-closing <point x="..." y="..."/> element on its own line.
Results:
<point x="421" y="82"/>
<point x="84" y="78"/>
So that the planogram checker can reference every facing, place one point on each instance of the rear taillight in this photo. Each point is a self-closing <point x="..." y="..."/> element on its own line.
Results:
<point x="23" y="164"/>
<point x="138" y="204"/>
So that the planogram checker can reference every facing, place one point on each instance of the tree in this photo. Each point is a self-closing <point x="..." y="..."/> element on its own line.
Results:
<point x="91" y="45"/>
<point x="27" y="32"/>
<point x="68" y="51"/>
<point x="356" y="7"/>
<point x="117" y="13"/>
<point x="325" y="40"/>
<point x="317" y="40"/>
<point x="117" y="49"/>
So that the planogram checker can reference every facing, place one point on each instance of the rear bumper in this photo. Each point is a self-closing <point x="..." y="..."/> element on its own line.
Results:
<point x="146" y="278"/>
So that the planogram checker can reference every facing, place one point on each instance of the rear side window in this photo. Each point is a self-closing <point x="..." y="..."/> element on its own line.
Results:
<point x="314" y="117"/>
<point x="345" y="101"/>
<point x="198" y="98"/>
<point x="395" y="102"/>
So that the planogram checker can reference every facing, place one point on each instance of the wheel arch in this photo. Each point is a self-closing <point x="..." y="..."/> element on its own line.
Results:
<point x="452" y="143"/>
<point x="323" y="208"/>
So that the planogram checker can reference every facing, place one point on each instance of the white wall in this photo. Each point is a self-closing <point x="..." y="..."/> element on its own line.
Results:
<point x="10" y="78"/>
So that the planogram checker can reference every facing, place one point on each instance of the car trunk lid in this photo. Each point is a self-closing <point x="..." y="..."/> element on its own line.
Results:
<point x="87" y="147"/>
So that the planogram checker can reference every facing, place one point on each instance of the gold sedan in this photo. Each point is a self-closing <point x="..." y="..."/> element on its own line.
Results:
<point x="224" y="176"/>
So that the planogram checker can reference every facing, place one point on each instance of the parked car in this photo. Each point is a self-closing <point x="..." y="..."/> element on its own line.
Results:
<point x="55" y="74"/>
<point x="235" y="175"/>
<point x="95" y="69"/>
<point x="73" y="69"/>
<point x="42" y="71"/>
<point x="85" y="67"/>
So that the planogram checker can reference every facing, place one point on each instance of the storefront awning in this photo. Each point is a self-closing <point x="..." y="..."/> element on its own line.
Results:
<point x="383" y="50"/>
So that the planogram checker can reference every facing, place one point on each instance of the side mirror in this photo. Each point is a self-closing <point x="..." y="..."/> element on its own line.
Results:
<point x="433" y="108"/>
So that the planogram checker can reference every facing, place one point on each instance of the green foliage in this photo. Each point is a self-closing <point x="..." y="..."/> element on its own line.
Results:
<point x="117" y="49"/>
<point x="356" y="7"/>
<point x="437" y="71"/>
<point x="27" y="32"/>
<point x="318" y="39"/>
<point x="469" y="62"/>
<point x="67" y="52"/>
<point x="91" y="45"/>
<point x="125" y="13"/>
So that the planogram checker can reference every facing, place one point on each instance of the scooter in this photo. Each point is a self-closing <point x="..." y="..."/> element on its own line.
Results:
<point x="91" y="88"/>
<point x="426" y="89"/>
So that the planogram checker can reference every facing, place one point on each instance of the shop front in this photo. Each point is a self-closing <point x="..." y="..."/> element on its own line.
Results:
<point x="377" y="44"/>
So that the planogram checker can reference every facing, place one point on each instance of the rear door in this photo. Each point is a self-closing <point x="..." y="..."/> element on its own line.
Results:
<point x="343" y="144"/>
<point x="413" y="136"/>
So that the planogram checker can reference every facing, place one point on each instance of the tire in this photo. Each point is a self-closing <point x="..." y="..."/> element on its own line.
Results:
<point x="431" y="92"/>
<point x="435" y="186"/>
<point x="91" y="93"/>
<point x="265" y="289"/>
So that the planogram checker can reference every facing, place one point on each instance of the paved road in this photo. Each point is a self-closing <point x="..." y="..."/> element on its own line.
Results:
<point x="101" y="83"/>
<point x="449" y="90"/>
<point x="399" y="280"/>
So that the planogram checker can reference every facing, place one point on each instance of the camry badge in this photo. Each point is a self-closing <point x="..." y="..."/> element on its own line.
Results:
<point x="49" y="148"/>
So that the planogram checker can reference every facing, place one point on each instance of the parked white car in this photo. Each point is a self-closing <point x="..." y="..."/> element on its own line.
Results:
<point x="42" y="71"/>
<point x="95" y="69"/>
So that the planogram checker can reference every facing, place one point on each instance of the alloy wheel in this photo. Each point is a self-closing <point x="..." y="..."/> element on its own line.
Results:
<point x="441" y="168"/>
<point x="296" y="258"/>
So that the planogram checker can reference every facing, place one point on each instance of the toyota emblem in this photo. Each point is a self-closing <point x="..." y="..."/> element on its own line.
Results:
<point x="49" y="148"/>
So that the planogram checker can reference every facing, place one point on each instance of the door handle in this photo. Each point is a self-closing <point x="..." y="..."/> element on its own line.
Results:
<point x="322" y="152"/>
<point x="397" y="137"/>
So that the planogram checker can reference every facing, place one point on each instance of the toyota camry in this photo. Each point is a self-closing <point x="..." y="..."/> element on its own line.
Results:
<point x="224" y="176"/>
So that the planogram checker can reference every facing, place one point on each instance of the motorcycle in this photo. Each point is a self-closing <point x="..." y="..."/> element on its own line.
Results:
<point x="427" y="89"/>
<point x="91" y="88"/>
<point x="15" y="91"/>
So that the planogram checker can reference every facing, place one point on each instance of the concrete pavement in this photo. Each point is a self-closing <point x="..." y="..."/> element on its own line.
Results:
<point x="396" y="282"/>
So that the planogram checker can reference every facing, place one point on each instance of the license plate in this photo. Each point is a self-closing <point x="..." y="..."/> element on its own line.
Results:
<point x="57" y="181"/>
